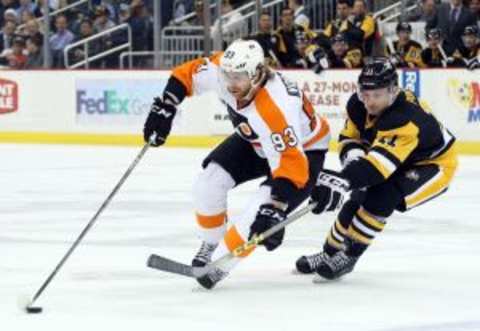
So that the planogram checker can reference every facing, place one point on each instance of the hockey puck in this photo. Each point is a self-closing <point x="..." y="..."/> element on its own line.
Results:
<point x="33" y="310"/>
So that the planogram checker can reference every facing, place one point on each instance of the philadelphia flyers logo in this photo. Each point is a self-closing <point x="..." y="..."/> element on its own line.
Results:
<point x="245" y="130"/>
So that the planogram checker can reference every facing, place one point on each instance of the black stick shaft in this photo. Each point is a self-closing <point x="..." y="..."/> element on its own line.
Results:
<point x="92" y="221"/>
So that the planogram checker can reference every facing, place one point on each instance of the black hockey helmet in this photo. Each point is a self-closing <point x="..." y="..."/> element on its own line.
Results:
<point x="434" y="33"/>
<point x="339" y="38"/>
<point x="404" y="26"/>
<point x="378" y="72"/>
<point x="470" y="30"/>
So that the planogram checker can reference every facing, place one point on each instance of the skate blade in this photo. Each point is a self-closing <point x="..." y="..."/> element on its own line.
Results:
<point x="320" y="280"/>
<point x="296" y="272"/>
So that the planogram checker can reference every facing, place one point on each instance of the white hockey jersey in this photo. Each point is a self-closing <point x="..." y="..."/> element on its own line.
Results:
<point x="279" y="122"/>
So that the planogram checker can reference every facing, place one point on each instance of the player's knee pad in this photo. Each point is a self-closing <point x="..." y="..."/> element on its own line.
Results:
<point x="210" y="190"/>
<point x="381" y="200"/>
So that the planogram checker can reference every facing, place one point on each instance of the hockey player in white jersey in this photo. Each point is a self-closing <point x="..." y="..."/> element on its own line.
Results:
<point x="277" y="135"/>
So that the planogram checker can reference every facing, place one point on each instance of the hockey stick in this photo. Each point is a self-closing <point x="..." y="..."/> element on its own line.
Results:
<point x="35" y="309"/>
<point x="161" y="263"/>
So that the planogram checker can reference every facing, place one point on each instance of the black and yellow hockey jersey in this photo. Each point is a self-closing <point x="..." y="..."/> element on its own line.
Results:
<point x="463" y="57"/>
<point x="353" y="33"/>
<point x="353" y="58"/>
<point x="410" y="53"/>
<point x="405" y="134"/>
<point x="285" y="41"/>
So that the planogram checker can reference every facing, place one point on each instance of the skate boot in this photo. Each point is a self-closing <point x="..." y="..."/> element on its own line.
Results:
<point x="212" y="278"/>
<point x="307" y="264"/>
<point x="204" y="254"/>
<point x="336" y="266"/>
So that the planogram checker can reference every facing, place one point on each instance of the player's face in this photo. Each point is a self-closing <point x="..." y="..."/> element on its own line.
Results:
<point x="237" y="83"/>
<point x="469" y="41"/>
<point x="376" y="101"/>
<point x="403" y="36"/>
<point x="343" y="11"/>
<point x="339" y="48"/>
<point x="434" y="42"/>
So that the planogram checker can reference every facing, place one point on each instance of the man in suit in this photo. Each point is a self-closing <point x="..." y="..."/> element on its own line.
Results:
<point x="452" y="18"/>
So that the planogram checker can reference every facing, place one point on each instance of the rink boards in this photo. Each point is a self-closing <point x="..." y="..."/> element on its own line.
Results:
<point x="109" y="107"/>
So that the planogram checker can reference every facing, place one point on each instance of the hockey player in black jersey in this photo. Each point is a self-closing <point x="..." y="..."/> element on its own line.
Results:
<point x="395" y="156"/>
<point x="469" y="53"/>
<point x="405" y="52"/>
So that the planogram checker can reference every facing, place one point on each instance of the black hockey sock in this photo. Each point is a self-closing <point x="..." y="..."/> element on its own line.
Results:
<point x="362" y="231"/>
<point x="338" y="232"/>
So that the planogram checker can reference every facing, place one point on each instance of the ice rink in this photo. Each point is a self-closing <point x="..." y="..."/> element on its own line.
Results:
<point x="421" y="274"/>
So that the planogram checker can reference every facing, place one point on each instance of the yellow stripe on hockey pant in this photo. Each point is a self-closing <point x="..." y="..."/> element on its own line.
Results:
<point x="357" y="236"/>
<point x="334" y="242"/>
<point x="370" y="220"/>
<point x="431" y="188"/>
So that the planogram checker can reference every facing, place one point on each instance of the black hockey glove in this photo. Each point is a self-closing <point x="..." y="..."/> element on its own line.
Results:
<point x="159" y="122"/>
<point x="329" y="190"/>
<point x="268" y="216"/>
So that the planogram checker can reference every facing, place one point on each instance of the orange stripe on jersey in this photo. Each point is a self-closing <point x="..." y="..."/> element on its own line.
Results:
<point x="185" y="71"/>
<point x="213" y="221"/>
<point x="293" y="163"/>
<point x="322" y="133"/>
<point x="233" y="240"/>
<point x="309" y="111"/>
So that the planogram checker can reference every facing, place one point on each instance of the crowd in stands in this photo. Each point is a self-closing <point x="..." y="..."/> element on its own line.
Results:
<point x="22" y="32"/>
<point x="451" y="31"/>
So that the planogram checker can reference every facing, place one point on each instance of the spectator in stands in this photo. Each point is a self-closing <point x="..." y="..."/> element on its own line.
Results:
<point x="32" y="29"/>
<point x="286" y="39"/>
<point x="343" y="23"/>
<point x="475" y="9"/>
<point x="26" y="16"/>
<point x="366" y="23"/>
<point x="40" y="10"/>
<point x="198" y="18"/>
<point x="16" y="56"/>
<point x="452" y="18"/>
<point x="123" y="13"/>
<point x="26" y="6"/>
<point x="6" y="35"/>
<point x="299" y="14"/>
<point x="405" y="52"/>
<point x="94" y="46"/>
<point x="11" y="15"/>
<point x="425" y="12"/>
<point x="102" y="21"/>
<point x="227" y="28"/>
<point x="59" y="40"/>
<point x="265" y="38"/>
<point x="35" y="53"/>
<point x="142" y="27"/>
<point x="5" y="5"/>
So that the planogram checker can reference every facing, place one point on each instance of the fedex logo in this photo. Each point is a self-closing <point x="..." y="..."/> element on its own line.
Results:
<point x="109" y="103"/>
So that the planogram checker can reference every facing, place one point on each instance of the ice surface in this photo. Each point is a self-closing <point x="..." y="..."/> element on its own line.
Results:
<point x="421" y="274"/>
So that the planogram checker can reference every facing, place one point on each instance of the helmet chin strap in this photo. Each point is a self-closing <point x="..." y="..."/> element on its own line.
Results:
<point x="256" y="83"/>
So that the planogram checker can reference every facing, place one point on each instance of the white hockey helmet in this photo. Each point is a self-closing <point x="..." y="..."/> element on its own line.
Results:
<point x="243" y="57"/>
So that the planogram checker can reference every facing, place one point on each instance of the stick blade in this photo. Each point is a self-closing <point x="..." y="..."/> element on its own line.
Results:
<point x="163" y="264"/>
